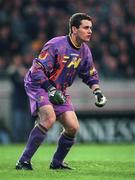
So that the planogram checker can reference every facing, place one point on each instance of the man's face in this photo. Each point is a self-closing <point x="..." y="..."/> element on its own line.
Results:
<point x="84" y="32"/>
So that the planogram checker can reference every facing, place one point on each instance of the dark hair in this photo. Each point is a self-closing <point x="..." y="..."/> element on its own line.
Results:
<point x="75" y="20"/>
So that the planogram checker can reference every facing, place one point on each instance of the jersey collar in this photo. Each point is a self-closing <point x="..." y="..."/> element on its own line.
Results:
<point x="72" y="44"/>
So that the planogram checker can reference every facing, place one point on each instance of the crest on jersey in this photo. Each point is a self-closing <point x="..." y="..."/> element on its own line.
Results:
<point x="41" y="99"/>
<point x="43" y="55"/>
<point x="65" y="58"/>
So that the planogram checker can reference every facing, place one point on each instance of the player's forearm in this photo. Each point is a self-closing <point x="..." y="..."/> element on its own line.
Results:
<point x="95" y="86"/>
<point x="38" y="75"/>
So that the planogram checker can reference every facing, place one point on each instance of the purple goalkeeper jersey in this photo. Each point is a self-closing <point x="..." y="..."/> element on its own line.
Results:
<point x="60" y="62"/>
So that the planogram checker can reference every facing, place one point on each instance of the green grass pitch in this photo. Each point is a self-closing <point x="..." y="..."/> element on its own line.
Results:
<point x="91" y="162"/>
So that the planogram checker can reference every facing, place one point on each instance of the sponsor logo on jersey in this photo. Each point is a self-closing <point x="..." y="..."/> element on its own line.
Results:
<point x="65" y="59"/>
<point x="75" y="61"/>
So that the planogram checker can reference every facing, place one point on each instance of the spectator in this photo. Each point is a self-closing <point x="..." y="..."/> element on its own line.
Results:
<point x="4" y="133"/>
<point x="24" y="25"/>
<point x="21" y="122"/>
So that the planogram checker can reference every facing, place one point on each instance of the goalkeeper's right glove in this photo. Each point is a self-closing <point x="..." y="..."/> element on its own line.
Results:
<point x="56" y="96"/>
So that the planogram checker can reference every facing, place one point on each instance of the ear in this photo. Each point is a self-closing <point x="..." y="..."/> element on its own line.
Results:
<point x="74" y="30"/>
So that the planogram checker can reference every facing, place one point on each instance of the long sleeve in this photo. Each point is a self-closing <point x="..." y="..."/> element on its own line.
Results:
<point x="88" y="72"/>
<point x="43" y="66"/>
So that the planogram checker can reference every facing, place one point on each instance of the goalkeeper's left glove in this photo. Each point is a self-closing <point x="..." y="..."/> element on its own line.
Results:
<point x="100" y="98"/>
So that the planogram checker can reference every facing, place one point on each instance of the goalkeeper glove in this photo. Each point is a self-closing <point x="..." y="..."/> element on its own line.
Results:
<point x="100" y="98"/>
<point x="56" y="96"/>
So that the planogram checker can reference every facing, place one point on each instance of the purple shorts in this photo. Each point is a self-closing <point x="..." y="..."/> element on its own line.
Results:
<point x="38" y="97"/>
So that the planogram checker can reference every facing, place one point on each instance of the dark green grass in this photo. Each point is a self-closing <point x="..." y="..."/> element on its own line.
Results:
<point x="91" y="162"/>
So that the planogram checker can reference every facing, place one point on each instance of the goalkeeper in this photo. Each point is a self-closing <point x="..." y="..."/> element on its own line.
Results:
<point x="59" y="62"/>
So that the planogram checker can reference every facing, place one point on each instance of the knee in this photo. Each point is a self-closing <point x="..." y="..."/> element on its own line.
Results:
<point x="73" y="130"/>
<point x="48" y="121"/>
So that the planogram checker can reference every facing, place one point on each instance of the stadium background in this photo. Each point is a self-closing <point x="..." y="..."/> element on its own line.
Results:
<point x="25" y="25"/>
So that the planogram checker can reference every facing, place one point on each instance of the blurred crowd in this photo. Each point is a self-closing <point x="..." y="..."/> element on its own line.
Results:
<point x="25" y="25"/>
